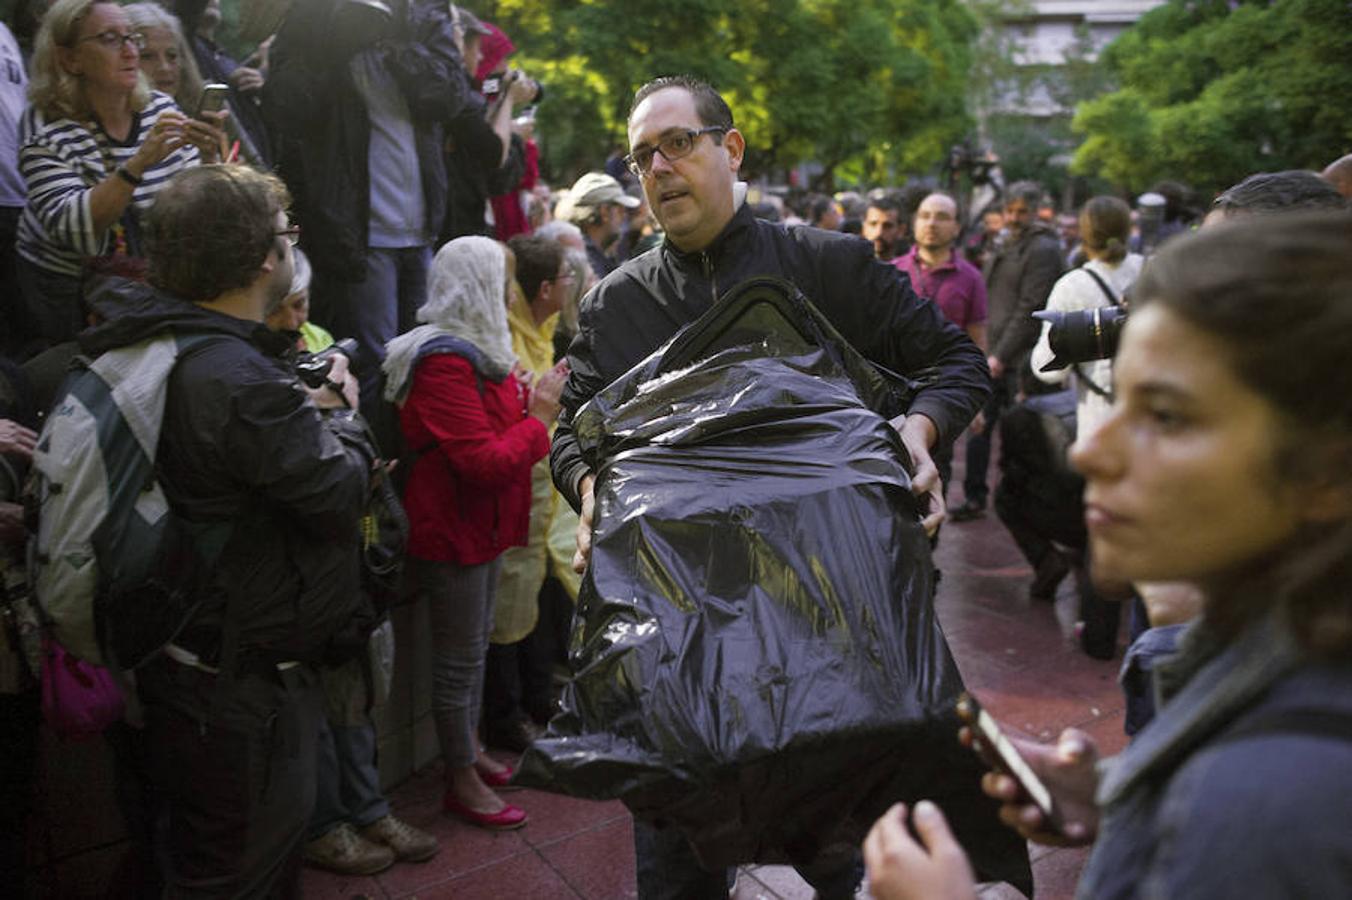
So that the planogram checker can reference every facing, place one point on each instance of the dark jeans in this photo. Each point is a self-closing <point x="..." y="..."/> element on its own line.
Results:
<point x="974" y="487"/>
<point x="373" y="312"/>
<point x="519" y="678"/>
<point x="143" y="810"/>
<point x="668" y="869"/>
<point x="348" y="779"/>
<point x="238" y="777"/>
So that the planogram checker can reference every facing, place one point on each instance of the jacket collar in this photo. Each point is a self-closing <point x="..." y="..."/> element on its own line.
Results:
<point x="1202" y="688"/>
<point x="740" y="226"/>
<point x="133" y="311"/>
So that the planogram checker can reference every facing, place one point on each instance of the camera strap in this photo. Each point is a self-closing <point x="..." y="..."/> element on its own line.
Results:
<point x="1112" y="301"/>
<point x="1103" y="285"/>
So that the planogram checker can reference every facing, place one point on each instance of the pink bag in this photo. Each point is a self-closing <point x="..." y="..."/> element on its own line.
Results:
<point x="79" y="699"/>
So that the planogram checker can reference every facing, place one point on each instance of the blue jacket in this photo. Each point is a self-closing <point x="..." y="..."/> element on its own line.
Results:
<point x="1196" y="809"/>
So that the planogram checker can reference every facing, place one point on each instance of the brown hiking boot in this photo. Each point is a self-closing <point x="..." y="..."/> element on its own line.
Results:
<point x="408" y="843"/>
<point x="344" y="851"/>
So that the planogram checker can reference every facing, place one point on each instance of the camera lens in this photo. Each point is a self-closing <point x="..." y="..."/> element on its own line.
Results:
<point x="1077" y="337"/>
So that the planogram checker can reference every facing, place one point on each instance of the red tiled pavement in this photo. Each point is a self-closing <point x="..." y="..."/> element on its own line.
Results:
<point x="1015" y="654"/>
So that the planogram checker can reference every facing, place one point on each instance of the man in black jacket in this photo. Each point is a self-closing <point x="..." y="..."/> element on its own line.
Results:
<point x="1019" y="276"/>
<point x="232" y="706"/>
<point x="685" y="150"/>
<point x="358" y="99"/>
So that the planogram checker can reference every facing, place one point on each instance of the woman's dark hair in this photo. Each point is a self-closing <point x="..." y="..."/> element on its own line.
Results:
<point x="1105" y="227"/>
<point x="211" y="229"/>
<point x="1277" y="292"/>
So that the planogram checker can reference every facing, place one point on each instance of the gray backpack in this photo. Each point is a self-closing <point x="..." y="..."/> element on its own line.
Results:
<point x="113" y="570"/>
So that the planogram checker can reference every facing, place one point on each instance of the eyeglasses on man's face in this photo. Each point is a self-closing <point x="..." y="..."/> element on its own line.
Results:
<point x="675" y="145"/>
<point x="116" y="40"/>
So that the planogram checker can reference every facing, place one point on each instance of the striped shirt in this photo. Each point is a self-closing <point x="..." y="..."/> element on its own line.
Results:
<point x="62" y="161"/>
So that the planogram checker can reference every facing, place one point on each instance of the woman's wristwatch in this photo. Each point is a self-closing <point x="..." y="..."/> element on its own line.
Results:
<point x="125" y="174"/>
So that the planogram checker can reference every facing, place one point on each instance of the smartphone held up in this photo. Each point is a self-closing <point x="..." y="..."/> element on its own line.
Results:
<point x="214" y="96"/>
<point x="1000" y="754"/>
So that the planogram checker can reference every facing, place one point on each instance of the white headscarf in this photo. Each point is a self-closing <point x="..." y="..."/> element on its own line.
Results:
<point x="466" y="298"/>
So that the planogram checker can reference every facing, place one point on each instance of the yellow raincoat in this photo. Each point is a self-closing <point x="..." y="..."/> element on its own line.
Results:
<point x="549" y="547"/>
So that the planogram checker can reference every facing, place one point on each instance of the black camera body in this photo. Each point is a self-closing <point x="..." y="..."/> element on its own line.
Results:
<point x="1084" y="335"/>
<point x="313" y="368"/>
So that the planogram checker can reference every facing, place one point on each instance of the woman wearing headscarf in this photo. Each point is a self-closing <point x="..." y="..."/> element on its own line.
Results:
<point x="475" y="429"/>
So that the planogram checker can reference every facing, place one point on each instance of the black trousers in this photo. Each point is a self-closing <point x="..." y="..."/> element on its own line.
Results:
<point x="518" y="678"/>
<point x="236" y="767"/>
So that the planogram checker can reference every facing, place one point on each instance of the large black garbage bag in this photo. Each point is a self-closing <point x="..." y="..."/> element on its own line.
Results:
<point x="757" y="660"/>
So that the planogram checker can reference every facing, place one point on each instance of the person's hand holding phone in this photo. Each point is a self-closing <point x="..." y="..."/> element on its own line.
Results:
<point x="165" y="136"/>
<point x="207" y="134"/>
<point x="1069" y="771"/>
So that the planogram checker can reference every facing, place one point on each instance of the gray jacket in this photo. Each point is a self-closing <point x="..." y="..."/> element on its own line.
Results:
<point x="1018" y="279"/>
<point x="1214" y="798"/>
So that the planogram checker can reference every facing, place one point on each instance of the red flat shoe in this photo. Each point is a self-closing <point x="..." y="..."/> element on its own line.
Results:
<point x="505" y="819"/>
<point x="500" y="780"/>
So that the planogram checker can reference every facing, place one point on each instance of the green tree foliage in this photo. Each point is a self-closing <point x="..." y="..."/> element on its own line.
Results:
<point x="1212" y="91"/>
<point x="867" y="86"/>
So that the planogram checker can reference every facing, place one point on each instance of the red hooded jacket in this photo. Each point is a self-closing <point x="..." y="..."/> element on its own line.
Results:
<point x="468" y="495"/>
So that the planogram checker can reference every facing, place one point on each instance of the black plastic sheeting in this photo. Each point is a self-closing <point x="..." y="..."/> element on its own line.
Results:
<point x="757" y="660"/>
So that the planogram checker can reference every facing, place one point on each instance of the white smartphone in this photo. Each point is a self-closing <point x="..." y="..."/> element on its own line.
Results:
<point x="998" y="752"/>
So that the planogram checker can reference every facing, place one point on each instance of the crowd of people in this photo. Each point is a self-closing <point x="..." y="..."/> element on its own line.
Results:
<point x="370" y="174"/>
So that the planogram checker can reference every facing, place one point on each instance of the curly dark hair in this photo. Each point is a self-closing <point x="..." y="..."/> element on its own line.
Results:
<point x="211" y="228"/>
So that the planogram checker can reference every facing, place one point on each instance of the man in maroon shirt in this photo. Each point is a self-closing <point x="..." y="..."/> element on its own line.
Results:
<point x="939" y="274"/>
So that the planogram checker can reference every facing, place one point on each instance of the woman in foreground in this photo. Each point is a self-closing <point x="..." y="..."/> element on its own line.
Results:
<point x="1224" y="462"/>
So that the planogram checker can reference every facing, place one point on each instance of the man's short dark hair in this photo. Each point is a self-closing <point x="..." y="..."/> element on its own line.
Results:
<point x="815" y="206"/>
<point x="537" y="260"/>
<point x="710" y="106"/>
<point x="211" y="229"/>
<point x="1269" y="192"/>
<point x="889" y="202"/>
<point x="1030" y="192"/>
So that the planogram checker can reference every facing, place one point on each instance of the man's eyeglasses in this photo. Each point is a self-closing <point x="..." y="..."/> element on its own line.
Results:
<point x="113" y="40"/>
<point x="676" y="145"/>
<point x="291" y="234"/>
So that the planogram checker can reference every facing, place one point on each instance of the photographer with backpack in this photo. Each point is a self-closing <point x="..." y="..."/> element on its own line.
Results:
<point x="254" y="571"/>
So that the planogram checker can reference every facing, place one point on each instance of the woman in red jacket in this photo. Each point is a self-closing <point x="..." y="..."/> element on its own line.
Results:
<point x="476" y="429"/>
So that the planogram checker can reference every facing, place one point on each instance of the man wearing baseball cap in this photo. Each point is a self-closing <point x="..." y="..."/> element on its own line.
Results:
<point x="596" y="203"/>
